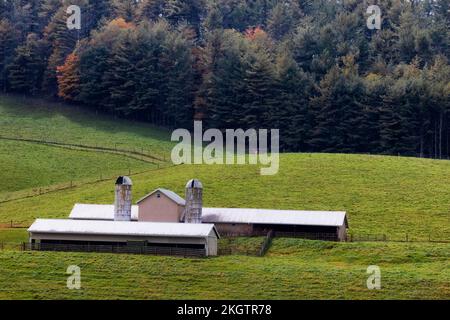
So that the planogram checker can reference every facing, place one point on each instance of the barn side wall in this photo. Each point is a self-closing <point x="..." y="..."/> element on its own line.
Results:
<point x="231" y="229"/>
<point x="211" y="246"/>
<point x="342" y="233"/>
<point x="162" y="209"/>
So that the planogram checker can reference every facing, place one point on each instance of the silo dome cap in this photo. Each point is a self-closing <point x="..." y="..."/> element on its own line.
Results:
<point x="124" y="181"/>
<point x="194" y="183"/>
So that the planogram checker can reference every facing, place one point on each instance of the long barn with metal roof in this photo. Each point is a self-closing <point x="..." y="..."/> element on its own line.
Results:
<point x="162" y="218"/>
<point x="321" y="225"/>
<point x="326" y="225"/>
<point x="119" y="233"/>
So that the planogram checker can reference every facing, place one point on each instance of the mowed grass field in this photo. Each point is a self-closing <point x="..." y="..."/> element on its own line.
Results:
<point x="39" y="119"/>
<point x="29" y="165"/>
<point x="391" y="196"/>
<point x="294" y="269"/>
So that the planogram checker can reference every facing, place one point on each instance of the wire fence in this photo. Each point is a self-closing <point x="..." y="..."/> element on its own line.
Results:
<point x="266" y="243"/>
<point x="237" y="250"/>
<point x="11" y="224"/>
<point x="225" y="248"/>
<point x="160" y="162"/>
<point x="397" y="237"/>
<point x="138" y="153"/>
<point x="257" y="250"/>
<point x="19" y="195"/>
<point x="228" y="246"/>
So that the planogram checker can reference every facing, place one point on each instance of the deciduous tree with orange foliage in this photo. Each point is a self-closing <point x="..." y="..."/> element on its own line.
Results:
<point x="69" y="78"/>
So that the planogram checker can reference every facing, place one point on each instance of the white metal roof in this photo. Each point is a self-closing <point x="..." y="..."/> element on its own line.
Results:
<point x="172" y="195"/>
<point x="266" y="216"/>
<point x="98" y="212"/>
<point x="228" y="215"/>
<point x="122" y="228"/>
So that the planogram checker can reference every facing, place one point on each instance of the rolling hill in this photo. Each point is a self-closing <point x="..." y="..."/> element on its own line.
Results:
<point x="400" y="198"/>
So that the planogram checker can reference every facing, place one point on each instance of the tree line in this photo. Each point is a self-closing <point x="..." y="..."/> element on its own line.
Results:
<point x="310" y="68"/>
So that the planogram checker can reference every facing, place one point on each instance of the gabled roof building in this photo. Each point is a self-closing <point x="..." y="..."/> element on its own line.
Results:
<point x="162" y="218"/>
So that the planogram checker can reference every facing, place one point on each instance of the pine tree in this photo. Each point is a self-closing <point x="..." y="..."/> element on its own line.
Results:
<point x="8" y="42"/>
<point x="149" y="72"/>
<point x="283" y="19"/>
<point x="25" y="16"/>
<point x="151" y="9"/>
<point x="93" y="65"/>
<point x="190" y="11"/>
<point x="292" y="115"/>
<point x="260" y="82"/>
<point x="95" y="57"/>
<point x="6" y="9"/>
<point x="118" y="78"/>
<point x="338" y="112"/>
<point x="125" y="9"/>
<point x="227" y="90"/>
<point x="27" y="68"/>
<point x="180" y="77"/>
<point x="94" y="14"/>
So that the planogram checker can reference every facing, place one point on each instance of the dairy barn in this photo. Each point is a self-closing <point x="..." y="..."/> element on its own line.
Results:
<point x="162" y="222"/>
<point x="123" y="231"/>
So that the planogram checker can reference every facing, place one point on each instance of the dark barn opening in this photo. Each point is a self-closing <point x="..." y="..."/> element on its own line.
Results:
<point x="142" y="247"/>
<point x="299" y="231"/>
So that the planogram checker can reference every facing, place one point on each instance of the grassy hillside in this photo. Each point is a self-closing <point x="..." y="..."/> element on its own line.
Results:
<point x="383" y="195"/>
<point x="33" y="165"/>
<point x="295" y="269"/>
<point x="39" y="119"/>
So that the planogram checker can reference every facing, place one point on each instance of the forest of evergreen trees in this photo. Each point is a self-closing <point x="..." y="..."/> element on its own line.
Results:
<point x="311" y="68"/>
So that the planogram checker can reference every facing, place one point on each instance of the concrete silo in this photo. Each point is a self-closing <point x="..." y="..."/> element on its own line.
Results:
<point x="194" y="202"/>
<point x="122" y="203"/>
